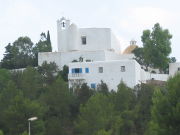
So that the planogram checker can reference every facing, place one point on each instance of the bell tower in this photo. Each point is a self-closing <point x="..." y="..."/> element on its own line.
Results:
<point x="133" y="42"/>
<point x="62" y="27"/>
<point x="64" y="23"/>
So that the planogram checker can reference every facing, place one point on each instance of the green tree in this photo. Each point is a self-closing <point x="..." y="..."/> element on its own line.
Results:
<point x="102" y="132"/>
<point x="31" y="83"/>
<point x="16" y="109"/>
<point x="8" y="60"/>
<point x="24" y="133"/>
<point x="126" y="123"/>
<point x="19" y="111"/>
<point x="103" y="88"/>
<point x="124" y="99"/>
<point x="9" y="92"/>
<point x="58" y="100"/>
<point x="64" y="73"/>
<point x="166" y="109"/>
<point x="83" y="93"/>
<point x="49" y="41"/>
<point x="48" y="72"/>
<point x="6" y="98"/>
<point x="172" y="60"/>
<point x="5" y="76"/>
<point x="139" y="56"/>
<point x="43" y="45"/>
<point x="1" y="132"/>
<point x="95" y="115"/>
<point x="19" y="54"/>
<point x="143" y="107"/>
<point x="156" y="47"/>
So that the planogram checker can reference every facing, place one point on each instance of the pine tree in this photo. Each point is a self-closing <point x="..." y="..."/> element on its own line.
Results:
<point x="49" y="41"/>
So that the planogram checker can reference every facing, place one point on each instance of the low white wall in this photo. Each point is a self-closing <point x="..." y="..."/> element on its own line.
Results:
<point x="149" y="76"/>
<point x="110" y="55"/>
<point x="64" y="58"/>
<point x="68" y="57"/>
<point x="49" y="57"/>
<point x="160" y="77"/>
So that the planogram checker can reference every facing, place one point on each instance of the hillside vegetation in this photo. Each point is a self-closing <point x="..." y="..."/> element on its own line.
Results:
<point x="43" y="92"/>
<point x="144" y="110"/>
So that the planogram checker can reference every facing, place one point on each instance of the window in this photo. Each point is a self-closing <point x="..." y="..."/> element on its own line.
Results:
<point x="83" y="40"/>
<point x="123" y="68"/>
<point x="100" y="69"/>
<point x="93" y="85"/>
<point x="63" y="24"/>
<point x="77" y="70"/>
<point x="73" y="70"/>
<point x="86" y="70"/>
<point x="80" y="70"/>
<point x="178" y="68"/>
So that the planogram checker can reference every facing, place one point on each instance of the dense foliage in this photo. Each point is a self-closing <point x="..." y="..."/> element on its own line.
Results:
<point x="156" y="48"/>
<point x="22" y="52"/>
<point x="166" y="109"/>
<point x="39" y="92"/>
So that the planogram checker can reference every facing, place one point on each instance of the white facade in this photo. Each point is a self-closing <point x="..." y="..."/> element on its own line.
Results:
<point x="113" y="72"/>
<point x="64" y="58"/>
<point x="70" y="38"/>
<point x="91" y="44"/>
<point x="98" y="49"/>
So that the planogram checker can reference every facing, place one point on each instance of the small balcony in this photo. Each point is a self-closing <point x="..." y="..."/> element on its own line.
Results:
<point x="75" y="75"/>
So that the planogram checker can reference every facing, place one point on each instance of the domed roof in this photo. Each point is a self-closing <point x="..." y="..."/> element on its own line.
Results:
<point x="129" y="49"/>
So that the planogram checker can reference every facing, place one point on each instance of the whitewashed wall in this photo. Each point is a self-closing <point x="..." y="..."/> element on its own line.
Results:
<point x="68" y="57"/>
<point x="64" y="58"/>
<point x="116" y="56"/>
<point x="149" y="76"/>
<point x="96" y="39"/>
<point x="69" y="38"/>
<point x="160" y="77"/>
<point x="111" y="75"/>
<point x="49" y="57"/>
<point x="173" y="68"/>
<point x="115" y="43"/>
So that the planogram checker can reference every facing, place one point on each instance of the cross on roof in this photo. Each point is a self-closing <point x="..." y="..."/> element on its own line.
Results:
<point x="63" y="24"/>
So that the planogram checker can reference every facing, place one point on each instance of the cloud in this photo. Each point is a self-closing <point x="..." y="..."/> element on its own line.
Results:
<point x="138" y="19"/>
<point x="148" y="15"/>
<point x="16" y="20"/>
<point x="123" y="42"/>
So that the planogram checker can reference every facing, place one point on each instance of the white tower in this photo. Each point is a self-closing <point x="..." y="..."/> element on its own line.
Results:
<point x="62" y="40"/>
<point x="133" y="42"/>
<point x="73" y="36"/>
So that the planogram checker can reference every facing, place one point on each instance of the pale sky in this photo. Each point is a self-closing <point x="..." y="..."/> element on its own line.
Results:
<point x="127" y="18"/>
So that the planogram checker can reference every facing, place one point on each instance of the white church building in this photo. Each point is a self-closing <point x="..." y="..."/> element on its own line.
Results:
<point x="94" y="54"/>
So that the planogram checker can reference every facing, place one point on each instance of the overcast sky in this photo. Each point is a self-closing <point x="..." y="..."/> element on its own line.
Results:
<point x="127" y="18"/>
